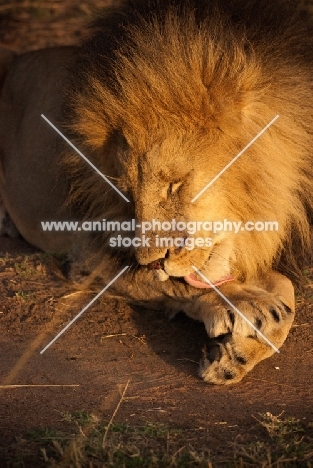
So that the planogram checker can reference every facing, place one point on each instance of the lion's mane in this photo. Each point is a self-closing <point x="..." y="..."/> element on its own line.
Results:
<point x="208" y="71"/>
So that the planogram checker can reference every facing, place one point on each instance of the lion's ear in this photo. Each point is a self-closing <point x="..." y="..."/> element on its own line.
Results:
<point x="94" y="132"/>
<point x="90" y="123"/>
<point x="88" y="116"/>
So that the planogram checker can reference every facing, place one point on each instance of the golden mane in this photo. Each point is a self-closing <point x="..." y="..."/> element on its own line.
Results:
<point x="202" y="75"/>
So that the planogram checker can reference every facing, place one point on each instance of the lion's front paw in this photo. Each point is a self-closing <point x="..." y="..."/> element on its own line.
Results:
<point x="246" y="326"/>
<point x="226" y="360"/>
<point x="253" y="311"/>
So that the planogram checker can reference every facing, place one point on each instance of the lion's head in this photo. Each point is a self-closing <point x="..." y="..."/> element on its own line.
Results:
<point x="163" y="109"/>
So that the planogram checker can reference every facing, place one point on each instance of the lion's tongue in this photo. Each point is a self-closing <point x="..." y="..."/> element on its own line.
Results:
<point x="193" y="281"/>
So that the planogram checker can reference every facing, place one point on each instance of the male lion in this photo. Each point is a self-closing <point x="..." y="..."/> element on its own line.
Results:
<point x="161" y="98"/>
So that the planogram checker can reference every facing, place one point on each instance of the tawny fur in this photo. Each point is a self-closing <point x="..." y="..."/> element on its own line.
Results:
<point x="161" y="98"/>
<point x="193" y="82"/>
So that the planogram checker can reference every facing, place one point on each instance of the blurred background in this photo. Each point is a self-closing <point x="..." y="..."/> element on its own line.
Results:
<point x="33" y="24"/>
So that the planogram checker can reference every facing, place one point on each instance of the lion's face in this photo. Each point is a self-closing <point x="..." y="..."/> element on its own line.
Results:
<point x="163" y="181"/>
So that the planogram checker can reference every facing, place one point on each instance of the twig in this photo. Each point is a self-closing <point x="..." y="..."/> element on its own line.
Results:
<point x="113" y="415"/>
<point x="86" y="291"/>
<point x="112" y="336"/>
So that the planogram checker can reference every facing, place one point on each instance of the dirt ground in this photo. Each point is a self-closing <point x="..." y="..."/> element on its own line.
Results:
<point x="88" y="367"/>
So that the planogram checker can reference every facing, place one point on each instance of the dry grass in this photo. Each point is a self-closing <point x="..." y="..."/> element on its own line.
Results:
<point x="286" y="443"/>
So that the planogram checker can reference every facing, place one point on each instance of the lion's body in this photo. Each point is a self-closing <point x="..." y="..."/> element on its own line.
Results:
<point x="161" y="99"/>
